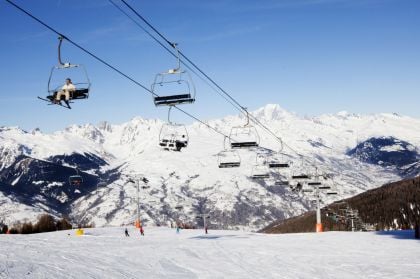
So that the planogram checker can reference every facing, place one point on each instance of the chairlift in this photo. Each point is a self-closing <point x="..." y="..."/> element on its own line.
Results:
<point x="245" y="136"/>
<point x="297" y="188"/>
<point x="173" y="136"/>
<point x="281" y="183"/>
<point x="228" y="158"/>
<point x="75" y="180"/>
<point x="307" y="190"/>
<point x="278" y="165"/>
<point x="75" y="72"/>
<point x="260" y="169"/>
<point x="173" y="87"/>
<point x="278" y="161"/>
<point x="301" y="176"/>
<point x="332" y="192"/>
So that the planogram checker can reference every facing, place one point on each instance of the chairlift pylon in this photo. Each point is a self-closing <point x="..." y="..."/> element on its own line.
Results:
<point x="228" y="158"/>
<point x="245" y="136"/>
<point x="173" y="136"/>
<point x="78" y="75"/>
<point x="173" y="87"/>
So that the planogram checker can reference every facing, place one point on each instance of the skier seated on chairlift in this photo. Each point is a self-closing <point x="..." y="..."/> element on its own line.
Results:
<point x="65" y="91"/>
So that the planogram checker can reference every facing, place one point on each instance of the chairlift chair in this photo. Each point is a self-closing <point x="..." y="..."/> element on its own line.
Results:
<point x="281" y="183"/>
<point x="260" y="169"/>
<point x="76" y="72"/>
<point x="245" y="136"/>
<point x="314" y="183"/>
<point x="75" y="180"/>
<point x="278" y="161"/>
<point x="173" y="136"/>
<point x="296" y="188"/>
<point x="228" y="158"/>
<point x="300" y="176"/>
<point x="173" y="87"/>
<point x="260" y="172"/>
<point x="332" y="192"/>
<point x="307" y="190"/>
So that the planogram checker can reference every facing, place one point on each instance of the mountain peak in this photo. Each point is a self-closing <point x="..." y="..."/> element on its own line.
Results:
<point x="271" y="112"/>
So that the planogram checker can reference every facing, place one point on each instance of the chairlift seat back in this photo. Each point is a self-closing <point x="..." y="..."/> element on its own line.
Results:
<point x="278" y="165"/>
<point x="243" y="144"/>
<point x="260" y="176"/>
<point x="173" y="100"/>
<point x="243" y="137"/>
<point x="300" y="176"/>
<point x="229" y="165"/>
<point x="281" y="183"/>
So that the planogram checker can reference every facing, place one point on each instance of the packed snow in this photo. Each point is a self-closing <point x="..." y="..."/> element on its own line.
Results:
<point x="162" y="253"/>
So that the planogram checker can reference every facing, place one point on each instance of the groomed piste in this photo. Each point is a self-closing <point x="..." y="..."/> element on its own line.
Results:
<point x="162" y="253"/>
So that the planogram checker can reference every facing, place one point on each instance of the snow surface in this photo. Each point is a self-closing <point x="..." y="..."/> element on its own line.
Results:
<point x="161" y="253"/>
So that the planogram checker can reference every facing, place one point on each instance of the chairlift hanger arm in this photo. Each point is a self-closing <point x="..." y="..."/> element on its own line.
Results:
<point x="60" y="41"/>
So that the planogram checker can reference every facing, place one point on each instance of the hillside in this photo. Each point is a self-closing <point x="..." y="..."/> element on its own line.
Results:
<point x="34" y="168"/>
<point x="392" y="206"/>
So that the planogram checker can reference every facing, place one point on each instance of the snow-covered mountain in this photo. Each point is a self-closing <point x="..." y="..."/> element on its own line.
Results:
<point x="34" y="168"/>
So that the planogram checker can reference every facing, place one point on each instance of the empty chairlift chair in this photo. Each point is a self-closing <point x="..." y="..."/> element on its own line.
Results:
<point x="260" y="172"/>
<point x="173" y="87"/>
<point x="228" y="158"/>
<point x="260" y="169"/>
<point x="300" y="176"/>
<point x="278" y="161"/>
<point x="245" y="136"/>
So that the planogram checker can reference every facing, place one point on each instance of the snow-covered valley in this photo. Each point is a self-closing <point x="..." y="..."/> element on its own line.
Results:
<point x="34" y="168"/>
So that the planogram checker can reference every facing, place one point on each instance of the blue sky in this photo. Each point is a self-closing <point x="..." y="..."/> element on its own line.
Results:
<point x="309" y="56"/>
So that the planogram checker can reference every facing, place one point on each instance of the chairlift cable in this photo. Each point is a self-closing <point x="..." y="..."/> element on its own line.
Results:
<point x="232" y="100"/>
<point x="170" y="52"/>
<point x="227" y="96"/>
<point x="109" y="65"/>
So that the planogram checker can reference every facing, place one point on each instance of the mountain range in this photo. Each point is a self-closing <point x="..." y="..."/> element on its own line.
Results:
<point x="358" y="152"/>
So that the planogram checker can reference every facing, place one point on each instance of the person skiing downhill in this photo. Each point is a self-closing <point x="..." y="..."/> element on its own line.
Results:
<point x="141" y="230"/>
<point x="126" y="232"/>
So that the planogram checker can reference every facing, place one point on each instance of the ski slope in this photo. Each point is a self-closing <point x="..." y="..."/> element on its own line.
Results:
<point x="161" y="253"/>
